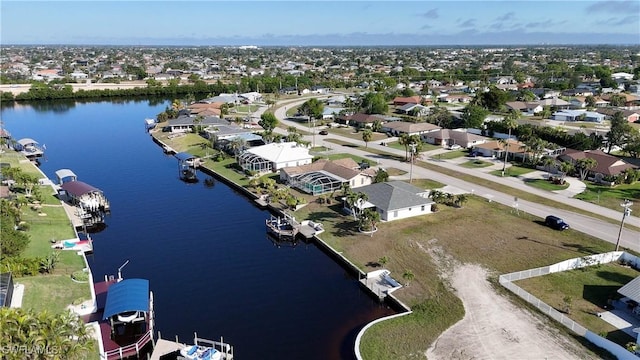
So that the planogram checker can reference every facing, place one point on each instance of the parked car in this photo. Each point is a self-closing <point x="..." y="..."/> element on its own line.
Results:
<point x="455" y="147"/>
<point x="555" y="222"/>
<point x="324" y="132"/>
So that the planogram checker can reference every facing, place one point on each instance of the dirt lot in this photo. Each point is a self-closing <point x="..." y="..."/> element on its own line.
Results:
<point x="494" y="328"/>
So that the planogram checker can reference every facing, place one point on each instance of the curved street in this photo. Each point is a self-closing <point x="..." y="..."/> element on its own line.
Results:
<point x="589" y="225"/>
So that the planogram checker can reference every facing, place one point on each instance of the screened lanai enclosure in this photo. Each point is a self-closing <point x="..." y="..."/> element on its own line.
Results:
<point x="252" y="162"/>
<point x="316" y="182"/>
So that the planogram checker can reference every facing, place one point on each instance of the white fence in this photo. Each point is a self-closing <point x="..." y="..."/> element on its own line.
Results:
<point x="575" y="263"/>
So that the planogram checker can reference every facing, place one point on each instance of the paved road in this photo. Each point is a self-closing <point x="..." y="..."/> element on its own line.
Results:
<point x="586" y="224"/>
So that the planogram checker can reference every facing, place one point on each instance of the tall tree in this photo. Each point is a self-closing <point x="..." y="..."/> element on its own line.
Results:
<point x="510" y="122"/>
<point x="268" y="121"/>
<point x="618" y="132"/>
<point x="584" y="165"/>
<point x="367" y="135"/>
<point x="473" y="116"/>
<point x="374" y="103"/>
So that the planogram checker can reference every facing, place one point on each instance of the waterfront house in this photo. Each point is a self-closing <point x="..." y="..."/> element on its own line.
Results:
<point x="396" y="200"/>
<point x="187" y="123"/>
<point x="273" y="157"/>
<point x="323" y="176"/>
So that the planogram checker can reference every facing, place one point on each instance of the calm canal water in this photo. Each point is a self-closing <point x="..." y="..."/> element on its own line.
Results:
<point x="204" y="249"/>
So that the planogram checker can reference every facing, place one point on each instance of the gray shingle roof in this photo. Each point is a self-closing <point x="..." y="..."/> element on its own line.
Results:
<point x="393" y="195"/>
<point x="631" y="290"/>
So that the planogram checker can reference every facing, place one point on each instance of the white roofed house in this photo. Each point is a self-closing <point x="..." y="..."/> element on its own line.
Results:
<point x="273" y="157"/>
<point x="396" y="200"/>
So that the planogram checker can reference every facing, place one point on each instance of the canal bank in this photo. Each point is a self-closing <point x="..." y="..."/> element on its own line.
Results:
<point x="353" y="270"/>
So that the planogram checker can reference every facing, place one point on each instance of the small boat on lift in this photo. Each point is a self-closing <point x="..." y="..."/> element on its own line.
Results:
<point x="282" y="226"/>
<point x="90" y="202"/>
<point x="149" y="124"/>
<point x="30" y="148"/>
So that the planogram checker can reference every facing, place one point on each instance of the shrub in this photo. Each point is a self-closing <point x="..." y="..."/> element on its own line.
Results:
<point x="80" y="275"/>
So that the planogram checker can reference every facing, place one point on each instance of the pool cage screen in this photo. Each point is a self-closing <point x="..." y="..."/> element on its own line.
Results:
<point x="317" y="183"/>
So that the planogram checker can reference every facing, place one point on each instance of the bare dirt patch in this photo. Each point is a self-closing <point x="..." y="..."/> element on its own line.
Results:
<point x="494" y="328"/>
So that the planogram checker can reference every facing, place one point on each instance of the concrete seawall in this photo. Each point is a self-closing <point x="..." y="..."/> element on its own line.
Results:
<point x="349" y="266"/>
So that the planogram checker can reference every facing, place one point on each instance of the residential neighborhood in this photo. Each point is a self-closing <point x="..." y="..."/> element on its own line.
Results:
<point x="411" y="163"/>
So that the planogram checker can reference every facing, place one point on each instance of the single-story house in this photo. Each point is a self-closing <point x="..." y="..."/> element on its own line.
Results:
<point x="455" y="98"/>
<point x="607" y="165"/>
<point x="420" y="110"/>
<point x="630" y="100"/>
<point x="398" y="128"/>
<point x="360" y="120"/>
<point x="323" y="176"/>
<point x="273" y="157"/>
<point x="578" y="115"/>
<point x="528" y="108"/>
<point x="448" y="137"/>
<point x="206" y="108"/>
<point x="229" y="132"/>
<point x="395" y="200"/>
<point x="629" y="115"/>
<point x="555" y="103"/>
<point x="330" y="113"/>
<point x="187" y="123"/>
<point x="399" y="101"/>
<point x="496" y="149"/>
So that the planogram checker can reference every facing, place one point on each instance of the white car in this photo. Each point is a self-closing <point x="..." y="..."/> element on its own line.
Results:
<point x="455" y="147"/>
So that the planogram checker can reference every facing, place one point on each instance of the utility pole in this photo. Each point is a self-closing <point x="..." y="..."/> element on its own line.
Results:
<point x="626" y="212"/>
<point x="413" y="150"/>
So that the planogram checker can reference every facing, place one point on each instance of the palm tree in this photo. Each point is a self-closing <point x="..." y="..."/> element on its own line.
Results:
<point x="510" y="122"/>
<point x="548" y="163"/>
<point x="565" y="168"/>
<point x="405" y="139"/>
<point x="408" y="276"/>
<point x="367" y="135"/>
<point x="355" y="202"/>
<point x="383" y="261"/>
<point x="461" y="199"/>
<point x="585" y="165"/>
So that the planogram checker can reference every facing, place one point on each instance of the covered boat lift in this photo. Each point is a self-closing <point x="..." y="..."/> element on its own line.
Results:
<point x="30" y="148"/>
<point x="187" y="165"/>
<point x="64" y="175"/>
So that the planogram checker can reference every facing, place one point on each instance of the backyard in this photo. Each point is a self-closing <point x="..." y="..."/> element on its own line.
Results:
<point x="588" y="291"/>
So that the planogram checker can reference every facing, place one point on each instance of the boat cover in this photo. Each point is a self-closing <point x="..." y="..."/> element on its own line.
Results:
<point x="78" y="188"/>
<point x="127" y="295"/>
<point x="26" y="141"/>
<point x="184" y="156"/>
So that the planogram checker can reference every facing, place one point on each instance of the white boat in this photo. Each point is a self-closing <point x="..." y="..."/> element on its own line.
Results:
<point x="198" y="352"/>
<point x="149" y="123"/>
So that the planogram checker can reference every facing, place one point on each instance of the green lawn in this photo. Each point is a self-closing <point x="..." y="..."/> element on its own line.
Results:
<point x="395" y="172"/>
<point x="545" y="184"/>
<point x="351" y="133"/>
<point x="452" y="154"/>
<point x="474" y="164"/>
<point x="357" y="158"/>
<point x="612" y="197"/>
<point x="589" y="289"/>
<point x="52" y="292"/>
<point x="427" y="184"/>
<point x="513" y="170"/>
<point x="55" y="291"/>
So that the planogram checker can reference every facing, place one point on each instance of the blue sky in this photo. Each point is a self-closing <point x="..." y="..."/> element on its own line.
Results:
<point x="319" y="23"/>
